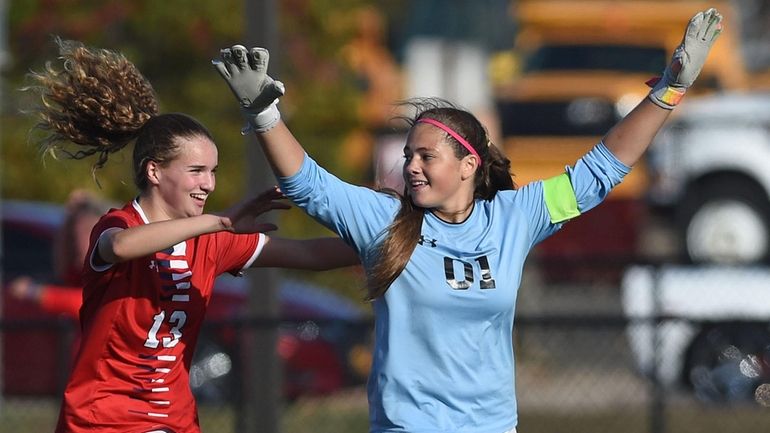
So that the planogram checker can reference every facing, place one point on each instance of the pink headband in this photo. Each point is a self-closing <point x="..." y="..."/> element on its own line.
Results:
<point x="455" y="135"/>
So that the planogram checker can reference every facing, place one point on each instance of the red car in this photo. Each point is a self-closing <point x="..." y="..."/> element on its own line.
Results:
<point x="314" y="343"/>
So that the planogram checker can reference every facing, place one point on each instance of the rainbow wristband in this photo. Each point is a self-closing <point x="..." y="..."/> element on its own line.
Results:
<point x="663" y="95"/>
<point x="670" y="96"/>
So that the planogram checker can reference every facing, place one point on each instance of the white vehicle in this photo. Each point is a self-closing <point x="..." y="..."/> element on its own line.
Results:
<point x="709" y="166"/>
<point x="713" y="334"/>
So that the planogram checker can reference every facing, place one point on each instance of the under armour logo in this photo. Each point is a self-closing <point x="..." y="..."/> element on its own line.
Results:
<point x="153" y="265"/>
<point x="431" y="242"/>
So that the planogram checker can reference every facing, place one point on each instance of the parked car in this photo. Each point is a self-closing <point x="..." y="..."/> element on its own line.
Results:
<point x="315" y="342"/>
<point x="713" y="336"/>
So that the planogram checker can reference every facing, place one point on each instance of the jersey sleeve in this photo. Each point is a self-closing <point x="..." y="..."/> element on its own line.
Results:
<point x="61" y="300"/>
<point x="235" y="252"/>
<point x="359" y="215"/>
<point x="594" y="175"/>
<point x="551" y="202"/>
<point x="115" y="219"/>
<point x="582" y="187"/>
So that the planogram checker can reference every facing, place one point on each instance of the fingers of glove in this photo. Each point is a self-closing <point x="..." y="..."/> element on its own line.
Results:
<point x="239" y="56"/>
<point x="226" y="55"/>
<point x="693" y="28"/>
<point x="259" y="58"/>
<point x="713" y="25"/>
<point x="221" y="68"/>
<point x="705" y="26"/>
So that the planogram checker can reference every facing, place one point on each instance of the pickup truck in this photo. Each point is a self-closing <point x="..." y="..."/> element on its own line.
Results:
<point x="710" y="180"/>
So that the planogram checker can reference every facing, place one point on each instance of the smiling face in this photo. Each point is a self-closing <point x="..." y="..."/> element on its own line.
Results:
<point x="181" y="187"/>
<point x="435" y="178"/>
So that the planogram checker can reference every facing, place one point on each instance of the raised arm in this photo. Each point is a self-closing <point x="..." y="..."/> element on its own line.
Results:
<point x="629" y="139"/>
<point x="245" y="71"/>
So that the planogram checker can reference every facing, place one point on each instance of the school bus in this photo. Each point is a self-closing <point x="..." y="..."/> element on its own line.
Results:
<point x="584" y="65"/>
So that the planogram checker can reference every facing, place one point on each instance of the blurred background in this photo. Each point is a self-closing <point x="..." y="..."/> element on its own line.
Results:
<point x="651" y="313"/>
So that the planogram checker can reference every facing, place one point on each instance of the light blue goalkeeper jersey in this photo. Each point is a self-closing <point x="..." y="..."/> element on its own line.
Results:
<point x="443" y="354"/>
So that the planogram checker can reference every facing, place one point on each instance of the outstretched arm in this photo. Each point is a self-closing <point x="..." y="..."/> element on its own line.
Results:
<point x="629" y="139"/>
<point x="319" y="254"/>
<point x="54" y="299"/>
<point x="118" y="245"/>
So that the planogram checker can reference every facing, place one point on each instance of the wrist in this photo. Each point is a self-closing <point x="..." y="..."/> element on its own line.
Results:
<point x="664" y="94"/>
<point x="263" y="121"/>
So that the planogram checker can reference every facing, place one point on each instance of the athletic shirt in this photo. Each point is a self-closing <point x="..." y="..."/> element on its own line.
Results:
<point x="140" y="321"/>
<point x="443" y="353"/>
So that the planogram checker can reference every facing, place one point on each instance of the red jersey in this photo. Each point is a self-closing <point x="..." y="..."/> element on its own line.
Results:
<point x="140" y="321"/>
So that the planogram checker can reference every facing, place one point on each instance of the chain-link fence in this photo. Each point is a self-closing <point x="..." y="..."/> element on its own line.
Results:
<point x="589" y="358"/>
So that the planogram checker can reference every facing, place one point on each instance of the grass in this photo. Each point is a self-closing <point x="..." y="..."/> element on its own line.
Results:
<point x="343" y="412"/>
<point x="347" y="412"/>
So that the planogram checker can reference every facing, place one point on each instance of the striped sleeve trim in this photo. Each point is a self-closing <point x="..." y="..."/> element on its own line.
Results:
<point x="560" y="198"/>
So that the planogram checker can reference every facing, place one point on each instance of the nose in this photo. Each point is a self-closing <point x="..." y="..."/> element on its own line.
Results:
<point x="209" y="183"/>
<point x="411" y="166"/>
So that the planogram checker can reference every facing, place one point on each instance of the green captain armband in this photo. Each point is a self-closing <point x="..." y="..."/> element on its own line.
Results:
<point x="560" y="198"/>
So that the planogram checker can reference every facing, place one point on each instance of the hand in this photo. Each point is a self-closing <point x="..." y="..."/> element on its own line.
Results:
<point x="246" y="74"/>
<point x="688" y="59"/>
<point x="241" y="218"/>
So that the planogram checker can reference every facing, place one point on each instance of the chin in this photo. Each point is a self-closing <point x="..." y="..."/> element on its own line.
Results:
<point x="421" y="203"/>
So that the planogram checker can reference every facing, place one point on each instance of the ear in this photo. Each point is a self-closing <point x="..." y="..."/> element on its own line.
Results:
<point x="468" y="166"/>
<point x="152" y="171"/>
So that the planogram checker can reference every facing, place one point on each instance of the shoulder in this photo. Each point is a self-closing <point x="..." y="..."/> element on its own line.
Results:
<point x="521" y="194"/>
<point x="124" y="217"/>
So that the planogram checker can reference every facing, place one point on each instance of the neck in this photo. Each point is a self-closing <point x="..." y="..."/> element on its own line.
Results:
<point x="454" y="216"/>
<point x="152" y="210"/>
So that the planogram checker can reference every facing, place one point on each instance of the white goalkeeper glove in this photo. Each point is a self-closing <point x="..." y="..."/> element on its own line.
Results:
<point x="688" y="59"/>
<point x="246" y="74"/>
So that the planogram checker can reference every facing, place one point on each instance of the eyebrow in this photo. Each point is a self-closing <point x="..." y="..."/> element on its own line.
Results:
<point x="421" y="149"/>
<point x="200" y="166"/>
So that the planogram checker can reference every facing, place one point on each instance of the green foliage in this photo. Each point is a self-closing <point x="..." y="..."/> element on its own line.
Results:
<point x="172" y="43"/>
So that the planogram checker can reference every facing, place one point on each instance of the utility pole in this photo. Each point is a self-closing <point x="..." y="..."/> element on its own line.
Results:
<point x="4" y="60"/>
<point x="261" y="387"/>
